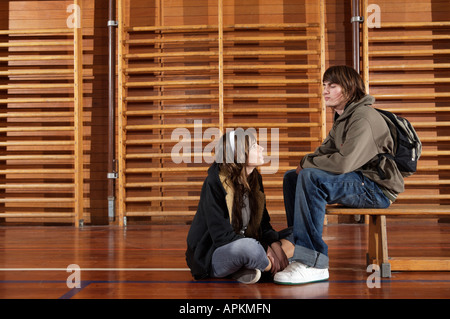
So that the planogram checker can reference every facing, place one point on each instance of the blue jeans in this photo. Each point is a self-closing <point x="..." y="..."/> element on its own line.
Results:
<point x="305" y="198"/>
<point x="242" y="253"/>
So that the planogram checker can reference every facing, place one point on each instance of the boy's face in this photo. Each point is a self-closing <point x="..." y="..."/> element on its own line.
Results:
<point x="334" y="96"/>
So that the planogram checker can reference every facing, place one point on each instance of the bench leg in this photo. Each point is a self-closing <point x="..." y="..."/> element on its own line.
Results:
<point x="378" y="251"/>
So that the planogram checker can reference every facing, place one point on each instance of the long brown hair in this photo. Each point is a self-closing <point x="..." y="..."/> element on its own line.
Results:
<point x="233" y="163"/>
<point x="351" y="82"/>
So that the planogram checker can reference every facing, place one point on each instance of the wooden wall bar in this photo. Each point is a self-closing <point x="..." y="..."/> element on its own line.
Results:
<point x="230" y="96"/>
<point x="41" y="133"/>
<point x="181" y="81"/>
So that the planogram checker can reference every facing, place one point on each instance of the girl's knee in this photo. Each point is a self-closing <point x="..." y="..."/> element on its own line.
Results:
<point x="249" y="248"/>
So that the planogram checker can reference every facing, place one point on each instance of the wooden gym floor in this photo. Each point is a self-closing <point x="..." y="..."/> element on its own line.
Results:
<point x="147" y="262"/>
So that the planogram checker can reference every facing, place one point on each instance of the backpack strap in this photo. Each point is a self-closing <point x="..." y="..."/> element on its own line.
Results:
<point x="379" y="170"/>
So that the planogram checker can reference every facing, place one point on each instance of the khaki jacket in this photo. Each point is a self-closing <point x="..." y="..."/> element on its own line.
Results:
<point x="358" y="135"/>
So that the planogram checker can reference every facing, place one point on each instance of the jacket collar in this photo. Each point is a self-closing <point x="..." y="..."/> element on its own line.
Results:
<point x="349" y="109"/>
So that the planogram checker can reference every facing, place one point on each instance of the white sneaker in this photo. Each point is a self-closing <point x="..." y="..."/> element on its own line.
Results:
<point x="297" y="273"/>
<point x="247" y="276"/>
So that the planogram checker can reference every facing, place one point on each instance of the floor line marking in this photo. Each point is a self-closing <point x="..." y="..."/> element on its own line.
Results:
<point x="95" y="269"/>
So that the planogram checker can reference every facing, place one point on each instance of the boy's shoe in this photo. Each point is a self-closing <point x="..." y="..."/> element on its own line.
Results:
<point x="247" y="276"/>
<point x="297" y="273"/>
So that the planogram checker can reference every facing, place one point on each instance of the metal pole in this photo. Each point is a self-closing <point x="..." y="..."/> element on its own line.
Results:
<point x="356" y="20"/>
<point x="112" y="175"/>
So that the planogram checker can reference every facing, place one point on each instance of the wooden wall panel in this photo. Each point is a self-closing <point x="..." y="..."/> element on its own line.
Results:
<point x="407" y="70"/>
<point x="41" y="115"/>
<point x="42" y="14"/>
<point x="270" y="70"/>
<point x="53" y="14"/>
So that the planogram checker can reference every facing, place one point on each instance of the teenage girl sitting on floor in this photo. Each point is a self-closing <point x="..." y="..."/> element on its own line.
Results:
<point x="231" y="234"/>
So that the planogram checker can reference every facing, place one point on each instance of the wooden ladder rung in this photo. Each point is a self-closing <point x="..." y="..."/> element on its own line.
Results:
<point x="163" y="184"/>
<point x="411" y="96"/>
<point x="36" y="100"/>
<point x="36" y="128"/>
<point x="409" y="81"/>
<point x="169" y="40"/>
<point x="266" y="67"/>
<point x="435" y="138"/>
<point x="435" y="153"/>
<point x="271" y="38"/>
<point x="271" y="124"/>
<point x="39" y="186"/>
<point x="276" y="82"/>
<point x="269" y="110"/>
<point x="200" y="27"/>
<point x="273" y="96"/>
<point x="269" y="52"/>
<point x="427" y="182"/>
<point x="169" y="141"/>
<point x="420" y="110"/>
<point x="144" y="127"/>
<point x="36" y="57"/>
<point x="169" y="54"/>
<point x="269" y="66"/>
<point x="170" y="69"/>
<point x="161" y="141"/>
<point x="409" y="38"/>
<point x="36" y="215"/>
<point x="171" y="83"/>
<point x="161" y="155"/>
<point x="159" y="213"/>
<point x="169" y="112"/>
<point x="420" y="263"/>
<point x="37" y="31"/>
<point x="35" y="114"/>
<point x="165" y="169"/>
<point x="36" y="157"/>
<point x="416" y="66"/>
<point x="423" y="197"/>
<point x="36" y="86"/>
<point x="408" y="52"/>
<point x="36" y="200"/>
<point x="430" y="124"/>
<point x="161" y="198"/>
<point x="36" y="72"/>
<point x="37" y="143"/>
<point x="35" y="43"/>
<point x="414" y="24"/>
<point x="424" y="168"/>
<point x="37" y="171"/>
<point x="171" y="97"/>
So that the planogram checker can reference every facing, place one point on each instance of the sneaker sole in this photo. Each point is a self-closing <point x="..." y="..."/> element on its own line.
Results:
<point x="288" y="283"/>
<point x="249" y="281"/>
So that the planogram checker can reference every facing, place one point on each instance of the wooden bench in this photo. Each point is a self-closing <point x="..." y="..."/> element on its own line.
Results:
<point x="378" y="247"/>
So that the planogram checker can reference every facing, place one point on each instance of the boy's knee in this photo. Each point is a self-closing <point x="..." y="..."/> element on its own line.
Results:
<point x="290" y="177"/>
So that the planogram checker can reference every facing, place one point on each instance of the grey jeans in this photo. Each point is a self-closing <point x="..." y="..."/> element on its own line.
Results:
<point x="241" y="253"/>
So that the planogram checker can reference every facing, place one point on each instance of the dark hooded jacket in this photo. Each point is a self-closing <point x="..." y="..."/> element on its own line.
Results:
<point x="211" y="227"/>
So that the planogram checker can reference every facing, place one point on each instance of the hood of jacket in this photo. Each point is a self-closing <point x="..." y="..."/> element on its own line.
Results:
<point x="367" y="100"/>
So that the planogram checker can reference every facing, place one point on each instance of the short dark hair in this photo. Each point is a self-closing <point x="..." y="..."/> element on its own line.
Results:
<point x="351" y="82"/>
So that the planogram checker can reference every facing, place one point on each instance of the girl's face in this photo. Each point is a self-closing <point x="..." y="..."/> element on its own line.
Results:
<point x="255" y="156"/>
<point x="334" y="96"/>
